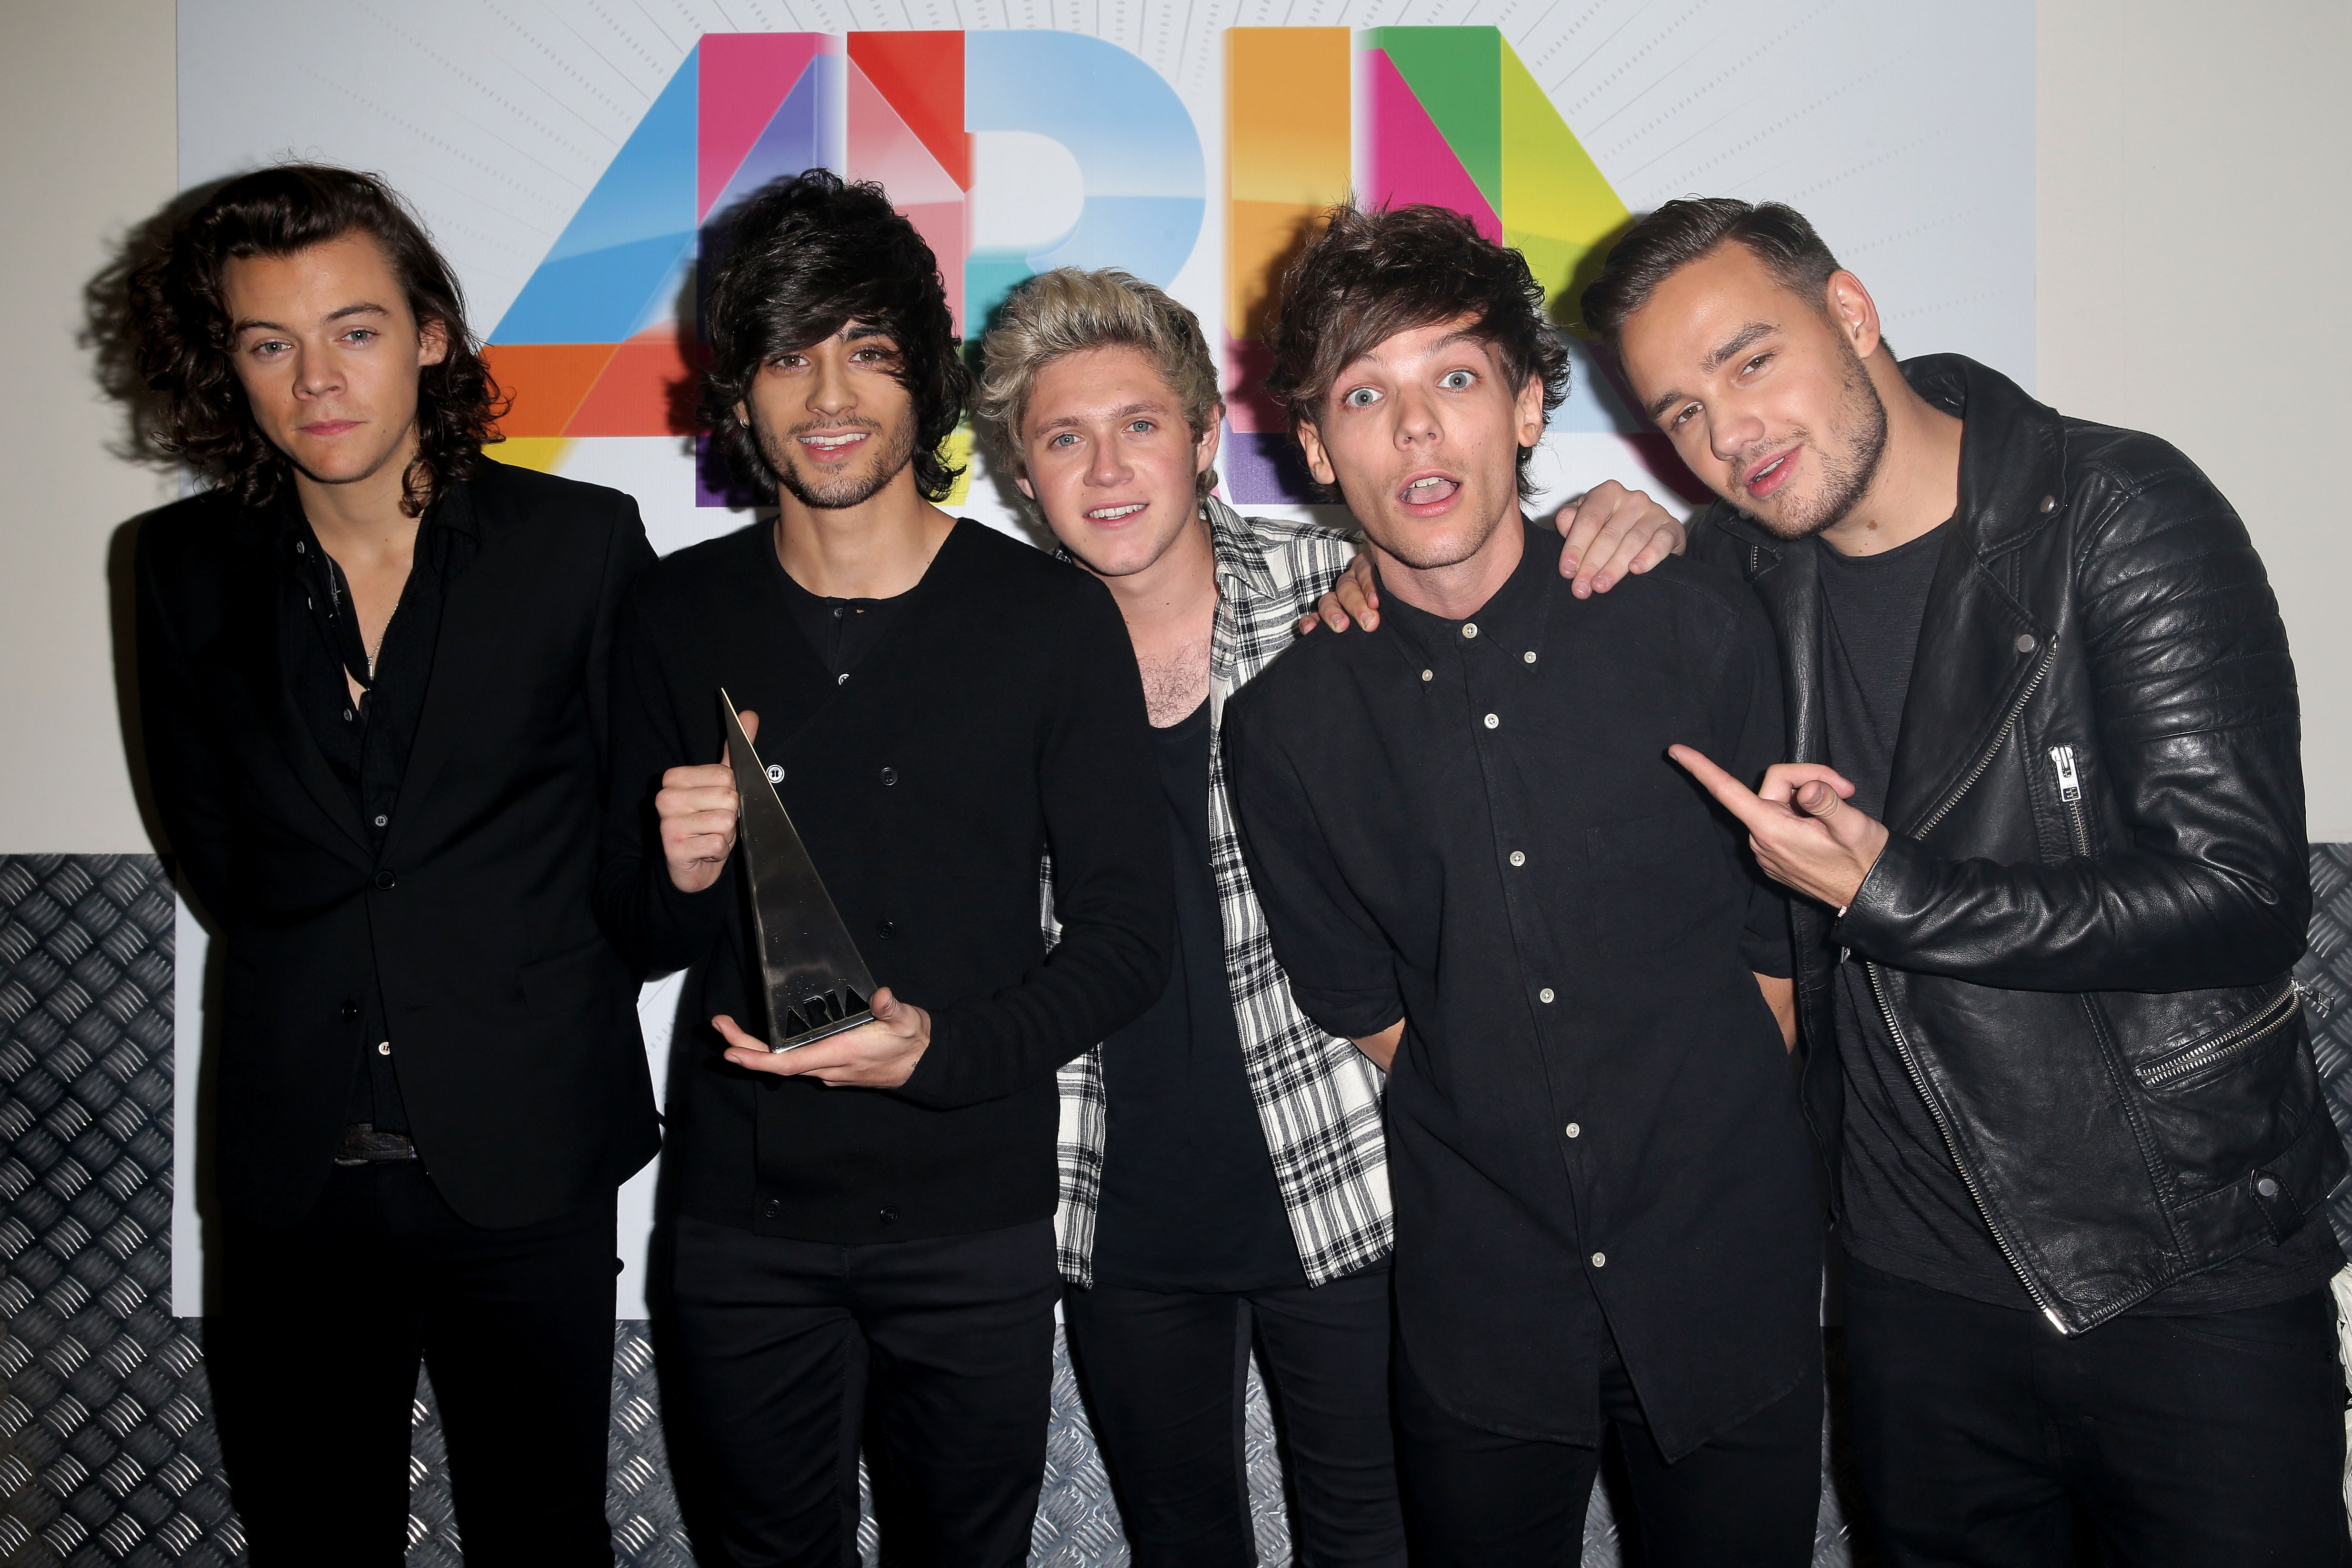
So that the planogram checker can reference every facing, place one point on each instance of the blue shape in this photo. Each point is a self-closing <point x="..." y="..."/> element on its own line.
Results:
<point x="619" y="263"/>
<point x="805" y="132"/>
<point x="1131" y="136"/>
<point x="1593" y="404"/>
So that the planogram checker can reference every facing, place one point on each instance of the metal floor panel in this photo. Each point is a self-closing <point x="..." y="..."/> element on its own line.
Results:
<point x="108" y="1454"/>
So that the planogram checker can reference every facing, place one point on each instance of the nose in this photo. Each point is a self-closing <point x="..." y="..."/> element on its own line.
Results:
<point x="1417" y="422"/>
<point x="316" y="374"/>
<point x="1107" y="464"/>
<point x="1732" y="431"/>
<point x="830" y="391"/>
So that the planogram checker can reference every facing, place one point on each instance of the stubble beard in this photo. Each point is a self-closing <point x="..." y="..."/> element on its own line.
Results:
<point x="845" y="490"/>
<point x="1849" y="466"/>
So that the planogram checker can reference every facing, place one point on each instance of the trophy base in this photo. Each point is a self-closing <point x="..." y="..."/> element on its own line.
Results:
<point x="825" y="1031"/>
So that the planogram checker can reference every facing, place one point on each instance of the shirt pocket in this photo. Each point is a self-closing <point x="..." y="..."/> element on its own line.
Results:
<point x="1650" y="880"/>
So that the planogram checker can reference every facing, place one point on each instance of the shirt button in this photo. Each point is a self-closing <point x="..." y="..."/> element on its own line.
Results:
<point x="775" y="772"/>
<point x="301" y="549"/>
<point x="380" y="822"/>
<point x="2025" y="642"/>
<point x="2268" y="1187"/>
<point x="1544" y="996"/>
<point x="384" y="1048"/>
<point x="1470" y="628"/>
<point x="384" y="881"/>
<point x="347" y="716"/>
<point x="770" y="1209"/>
<point x="1601" y="1260"/>
<point x="1576" y="1129"/>
<point x="1529" y="656"/>
<point x="889" y="1216"/>
<point x="1492" y="721"/>
<point x="841" y="679"/>
<point x="885" y="929"/>
<point x="1429" y="674"/>
<point x="1518" y="857"/>
<point x="837" y="613"/>
<point x="351" y="1012"/>
<point x="889" y="776"/>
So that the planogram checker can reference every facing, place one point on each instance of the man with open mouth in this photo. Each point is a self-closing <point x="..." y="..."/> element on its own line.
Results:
<point x="1477" y="861"/>
<point x="865" y="1223"/>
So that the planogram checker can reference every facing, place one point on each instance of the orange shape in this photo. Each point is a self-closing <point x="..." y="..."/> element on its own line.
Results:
<point x="545" y="382"/>
<point x="647" y="390"/>
<point x="922" y="75"/>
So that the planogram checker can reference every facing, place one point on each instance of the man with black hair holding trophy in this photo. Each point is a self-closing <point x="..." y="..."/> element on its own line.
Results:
<point x="882" y="1196"/>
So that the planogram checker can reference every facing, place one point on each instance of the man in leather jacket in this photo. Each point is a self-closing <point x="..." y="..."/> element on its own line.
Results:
<point x="2044" y="806"/>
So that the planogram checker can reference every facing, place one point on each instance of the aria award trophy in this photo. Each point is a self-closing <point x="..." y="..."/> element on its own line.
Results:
<point x="816" y="981"/>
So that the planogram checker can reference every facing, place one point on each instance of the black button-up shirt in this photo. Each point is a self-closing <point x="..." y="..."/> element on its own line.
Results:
<point x="1592" y="1125"/>
<point x="367" y="742"/>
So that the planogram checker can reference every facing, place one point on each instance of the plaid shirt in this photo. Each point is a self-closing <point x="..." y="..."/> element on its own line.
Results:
<point x="1319" y="1099"/>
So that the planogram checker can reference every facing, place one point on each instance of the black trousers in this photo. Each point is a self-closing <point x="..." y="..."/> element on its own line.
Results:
<point x="1475" y="1498"/>
<point x="770" y="1348"/>
<point x="313" y="1355"/>
<point x="2186" y="1442"/>
<point x="1165" y="1375"/>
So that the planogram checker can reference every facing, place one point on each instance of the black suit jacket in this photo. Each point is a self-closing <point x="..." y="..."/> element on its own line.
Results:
<point x="513" y="1022"/>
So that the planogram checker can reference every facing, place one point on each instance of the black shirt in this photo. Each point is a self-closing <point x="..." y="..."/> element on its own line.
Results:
<point x="1188" y="1199"/>
<point x="1903" y="1207"/>
<point x="840" y="632"/>
<point x="1592" y="1124"/>
<point x="367" y="742"/>
<point x="1000" y="714"/>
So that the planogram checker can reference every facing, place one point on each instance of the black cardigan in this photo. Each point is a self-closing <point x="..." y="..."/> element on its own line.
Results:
<point x="1000" y="716"/>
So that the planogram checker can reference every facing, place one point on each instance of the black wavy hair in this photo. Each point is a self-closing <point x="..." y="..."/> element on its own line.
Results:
<point x="179" y="323"/>
<point x="1370" y="276"/>
<point x="800" y="259"/>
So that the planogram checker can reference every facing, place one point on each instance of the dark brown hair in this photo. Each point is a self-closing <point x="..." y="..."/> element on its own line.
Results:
<point x="1681" y="231"/>
<point x="182" y="326"/>
<point x="802" y="257"/>
<point x="1370" y="276"/>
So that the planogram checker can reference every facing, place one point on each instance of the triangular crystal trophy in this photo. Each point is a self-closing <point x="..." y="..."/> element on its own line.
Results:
<point x="816" y="980"/>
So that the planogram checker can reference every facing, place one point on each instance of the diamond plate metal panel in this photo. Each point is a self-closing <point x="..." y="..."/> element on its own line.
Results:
<point x="107" y="1448"/>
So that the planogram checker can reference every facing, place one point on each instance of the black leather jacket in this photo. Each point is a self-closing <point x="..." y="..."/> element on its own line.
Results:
<point x="2082" y="930"/>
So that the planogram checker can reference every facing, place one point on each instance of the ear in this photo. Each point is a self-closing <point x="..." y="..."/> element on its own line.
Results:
<point x="1204" y="449"/>
<point x="432" y="340"/>
<point x="1529" y="410"/>
<point x="1020" y="482"/>
<point x="1318" y="461"/>
<point x="1853" y="312"/>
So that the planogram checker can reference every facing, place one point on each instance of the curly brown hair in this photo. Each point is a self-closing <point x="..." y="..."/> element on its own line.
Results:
<point x="1373" y="275"/>
<point x="181" y="323"/>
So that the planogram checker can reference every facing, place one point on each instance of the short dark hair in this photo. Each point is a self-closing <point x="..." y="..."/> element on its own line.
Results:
<point x="802" y="257"/>
<point x="180" y="322"/>
<point x="1681" y="231"/>
<point x="1370" y="276"/>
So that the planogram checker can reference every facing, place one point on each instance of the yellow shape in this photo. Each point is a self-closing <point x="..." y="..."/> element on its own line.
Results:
<point x="1288" y="153"/>
<point x="544" y="452"/>
<point x="1557" y="207"/>
<point x="957" y="450"/>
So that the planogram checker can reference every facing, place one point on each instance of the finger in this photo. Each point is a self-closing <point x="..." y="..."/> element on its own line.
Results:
<point x="1782" y="781"/>
<point x="1734" y="796"/>
<point x="744" y="1051"/>
<point x="1334" y="614"/>
<point x="750" y="724"/>
<point x="1814" y="798"/>
<point x="699" y="776"/>
<point x="1309" y="621"/>
<point x="1578" y="522"/>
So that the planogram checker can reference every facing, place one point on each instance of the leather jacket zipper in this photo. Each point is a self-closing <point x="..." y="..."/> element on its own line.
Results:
<point x="1992" y="749"/>
<point x="2070" y="795"/>
<point x="2231" y="1040"/>
<point x="1911" y="1065"/>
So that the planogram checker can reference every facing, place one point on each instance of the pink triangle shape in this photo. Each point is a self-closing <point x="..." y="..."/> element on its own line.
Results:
<point x="1408" y="159"/>
<point x="745" y="76"/>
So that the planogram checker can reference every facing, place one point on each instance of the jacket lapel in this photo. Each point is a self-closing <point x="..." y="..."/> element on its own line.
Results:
<point x="476" y="610"/>
<point x="253" y="620"/>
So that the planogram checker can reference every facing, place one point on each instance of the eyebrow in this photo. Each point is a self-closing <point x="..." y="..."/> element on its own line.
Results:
<point x="857" y="330"/>
<point x="1746" y="338"/>
<point x="1073" y="420"/>
<point x="363" y="308"/>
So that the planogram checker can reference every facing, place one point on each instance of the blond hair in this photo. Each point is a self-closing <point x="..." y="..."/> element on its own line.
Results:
<point x="1068" y="311"/>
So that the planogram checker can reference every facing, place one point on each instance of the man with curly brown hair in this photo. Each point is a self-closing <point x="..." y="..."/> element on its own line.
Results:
<point x="1477" y="863"/>
<point x="372" y="681"/>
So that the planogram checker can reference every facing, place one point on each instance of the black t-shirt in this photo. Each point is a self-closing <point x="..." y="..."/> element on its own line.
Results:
<point x="1906" y="1211"/>
<point x="1189" y="1200"/>
<point x="840" y="631"/>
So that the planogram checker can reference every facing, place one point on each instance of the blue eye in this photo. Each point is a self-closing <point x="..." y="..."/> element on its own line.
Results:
<point x="1454" y="380"/>
<point x="1361" y="397"/>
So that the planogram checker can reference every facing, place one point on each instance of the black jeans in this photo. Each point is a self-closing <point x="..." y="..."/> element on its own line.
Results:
<point x="1165" y="1374"/>
<point x="2188" y="1441"/>
<point x="313" y="1356"/>
<point x="771" y="1347"/>
<point x="1475" y="1498"/>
